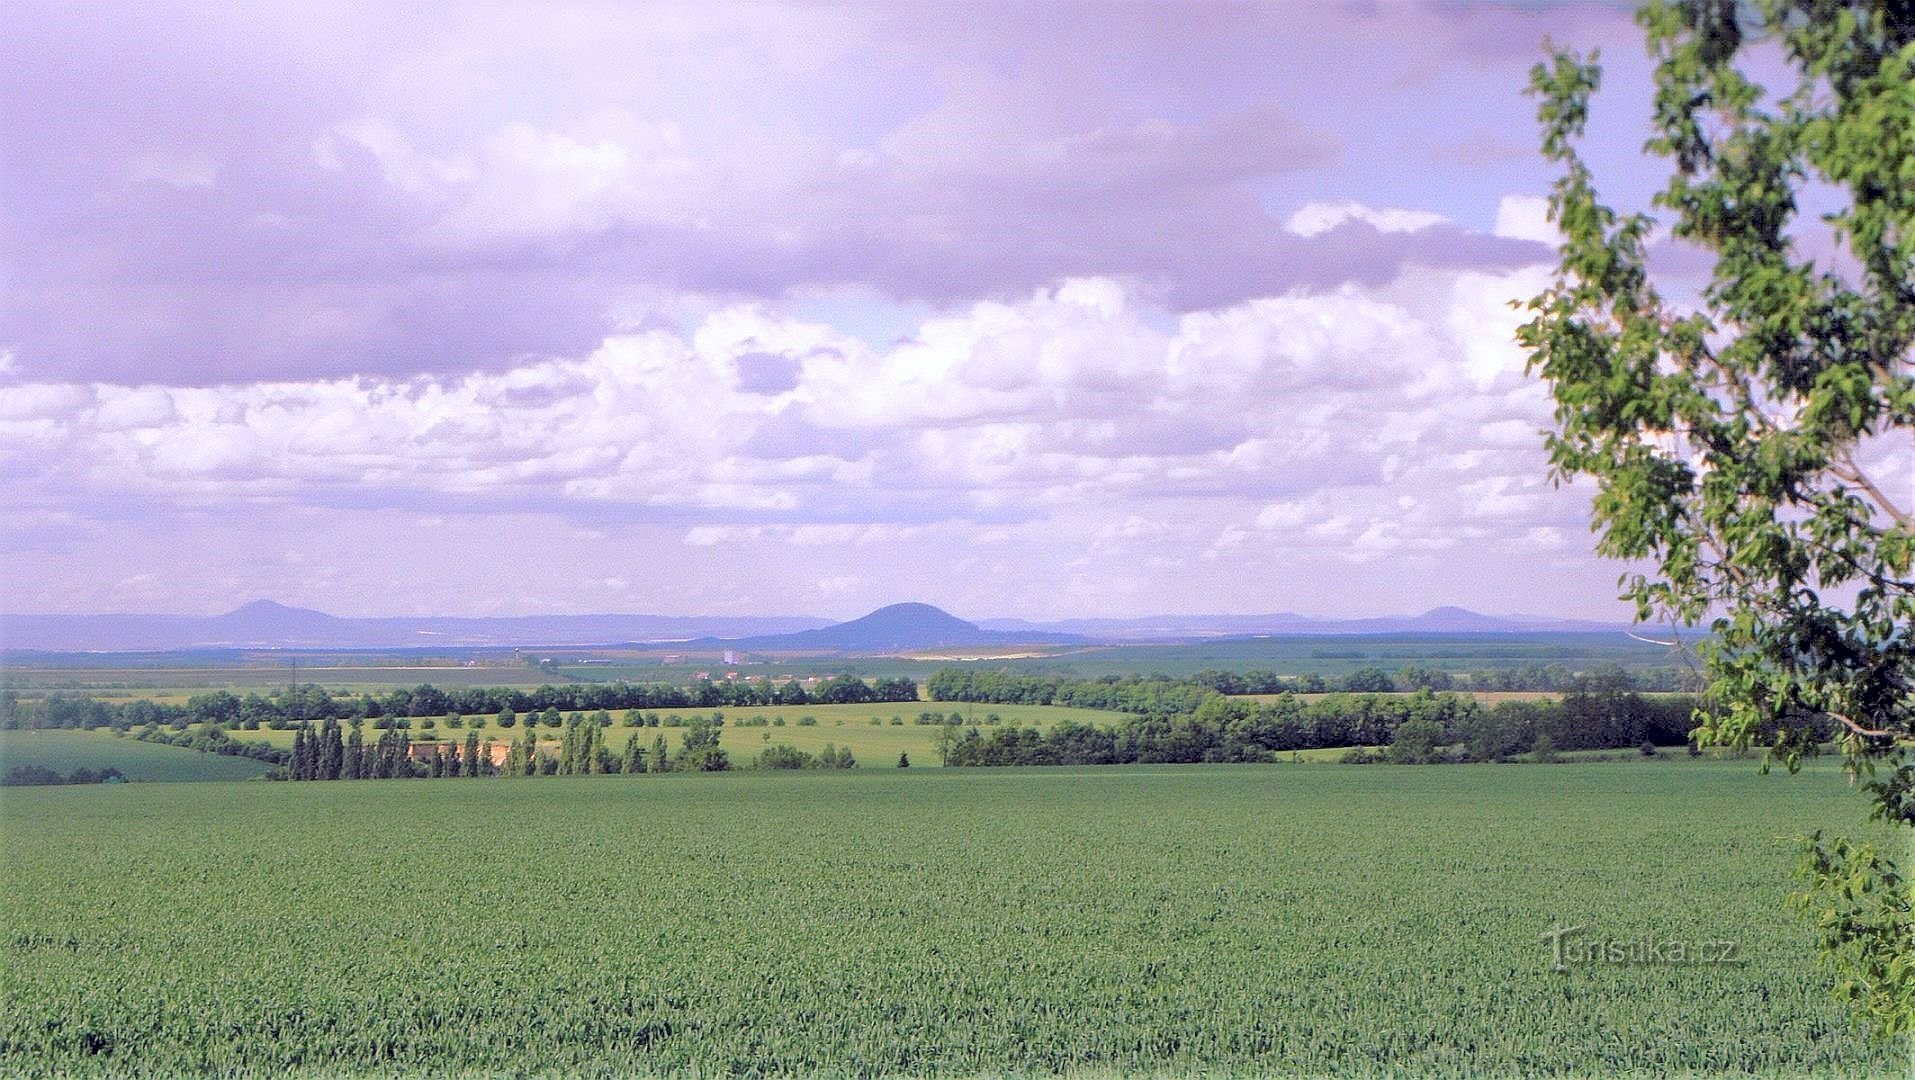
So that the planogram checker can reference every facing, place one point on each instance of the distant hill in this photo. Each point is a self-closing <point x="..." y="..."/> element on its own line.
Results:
<point x="264" y="624"/>
<point x="902" y="628"/>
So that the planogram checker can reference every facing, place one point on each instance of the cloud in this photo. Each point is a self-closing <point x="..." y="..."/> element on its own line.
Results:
<point x="745" y="296"/>
<point x="1526" y="217"/>
<point x="381" y="191"/>
<point x="755" y="426"/>
<point x="1315" y="219"/>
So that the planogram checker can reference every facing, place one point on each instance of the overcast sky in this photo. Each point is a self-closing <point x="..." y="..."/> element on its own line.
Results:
<point x="1031" y="309"/>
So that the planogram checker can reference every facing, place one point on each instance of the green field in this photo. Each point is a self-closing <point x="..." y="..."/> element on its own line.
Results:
<point x="66" y="751"/>
<point x="841" y="725"/>
<point x="1210" y="918"/>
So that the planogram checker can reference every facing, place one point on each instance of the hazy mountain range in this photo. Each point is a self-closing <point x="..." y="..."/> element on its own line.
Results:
<point x="263" y="624"/>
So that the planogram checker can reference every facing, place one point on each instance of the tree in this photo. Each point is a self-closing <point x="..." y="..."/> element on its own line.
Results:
<point x="332" y="751"/>
<point x="1369" y="680"/>
<point x="700" y="751"/>
<point x="354" y="766"/>
<point x="1415" y="742"/>
<point x="1750" y="447"/>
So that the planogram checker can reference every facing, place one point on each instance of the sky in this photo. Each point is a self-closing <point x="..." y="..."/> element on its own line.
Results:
<point x="1032" y="310"/>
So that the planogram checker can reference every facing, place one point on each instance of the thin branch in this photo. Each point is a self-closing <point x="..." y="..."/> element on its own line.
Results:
<point x="1858" y="729"/>
<point x="1846" y="468"/>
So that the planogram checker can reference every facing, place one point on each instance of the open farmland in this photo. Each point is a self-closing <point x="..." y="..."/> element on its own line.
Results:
<point x="1355" y="920"/>
<point x="66" y="751"/>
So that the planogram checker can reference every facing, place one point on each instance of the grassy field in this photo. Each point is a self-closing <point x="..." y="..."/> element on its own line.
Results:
<point x="1211" y="918"/>
<point x="66" y="751"/>
<point x="841" y="725"/>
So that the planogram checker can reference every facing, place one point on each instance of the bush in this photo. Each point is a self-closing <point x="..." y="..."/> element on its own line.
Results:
<point x="807" y="721"/>
<point x="783" y="756"/>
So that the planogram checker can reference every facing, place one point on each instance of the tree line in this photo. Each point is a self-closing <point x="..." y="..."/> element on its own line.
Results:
<point x="1423" y="727"/>
<point x="306" y="702"/>
<point x="1549" y="678"/>
<point x="41" y="776"/>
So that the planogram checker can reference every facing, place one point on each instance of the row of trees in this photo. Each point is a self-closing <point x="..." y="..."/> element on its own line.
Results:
<point x="307" y="702"/>
<point x="1375" y="680"/>
<point x="41" y="776"/>
<point x="1156" y="694"/>
<point x="1226" y="729"/>
<point x="1162" y="695"/>
<point x="332" y="751"/>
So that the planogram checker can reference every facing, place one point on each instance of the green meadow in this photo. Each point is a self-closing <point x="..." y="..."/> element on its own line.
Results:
<point x="67" y="751"/>
<point x="1241" y="919"/>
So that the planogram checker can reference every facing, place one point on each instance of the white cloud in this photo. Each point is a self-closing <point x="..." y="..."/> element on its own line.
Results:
<point x="1526" y="217"/>
<point x="1317" y="218"/>
<point x="1356" y="424"/>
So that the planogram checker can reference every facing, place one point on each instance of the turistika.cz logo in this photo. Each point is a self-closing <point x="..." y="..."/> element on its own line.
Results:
<point x="1569" y="947"/>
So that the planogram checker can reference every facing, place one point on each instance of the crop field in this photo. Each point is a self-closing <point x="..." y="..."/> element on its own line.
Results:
<point x="1357" y="920"/>
<point x="841" y="725"/>
<point x="67" y="751"/>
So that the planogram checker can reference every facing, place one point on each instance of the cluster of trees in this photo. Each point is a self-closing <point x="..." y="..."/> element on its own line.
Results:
<point x="1226" y="729"/>
<point x="786" y="756"/>
<point x="1156" y="694"/>
<point x="41" y="776"/>
<point x="332" y="751"/>
<point x="324" y="754"/>
<point x="288" y="707"/>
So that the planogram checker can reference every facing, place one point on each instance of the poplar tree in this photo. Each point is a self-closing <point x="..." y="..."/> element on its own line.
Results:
<point x="332" y="752"/>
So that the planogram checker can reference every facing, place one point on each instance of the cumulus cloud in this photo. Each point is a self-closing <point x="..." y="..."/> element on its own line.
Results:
<point x="1355" y="425"/>
<point x="856" y="298"/>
